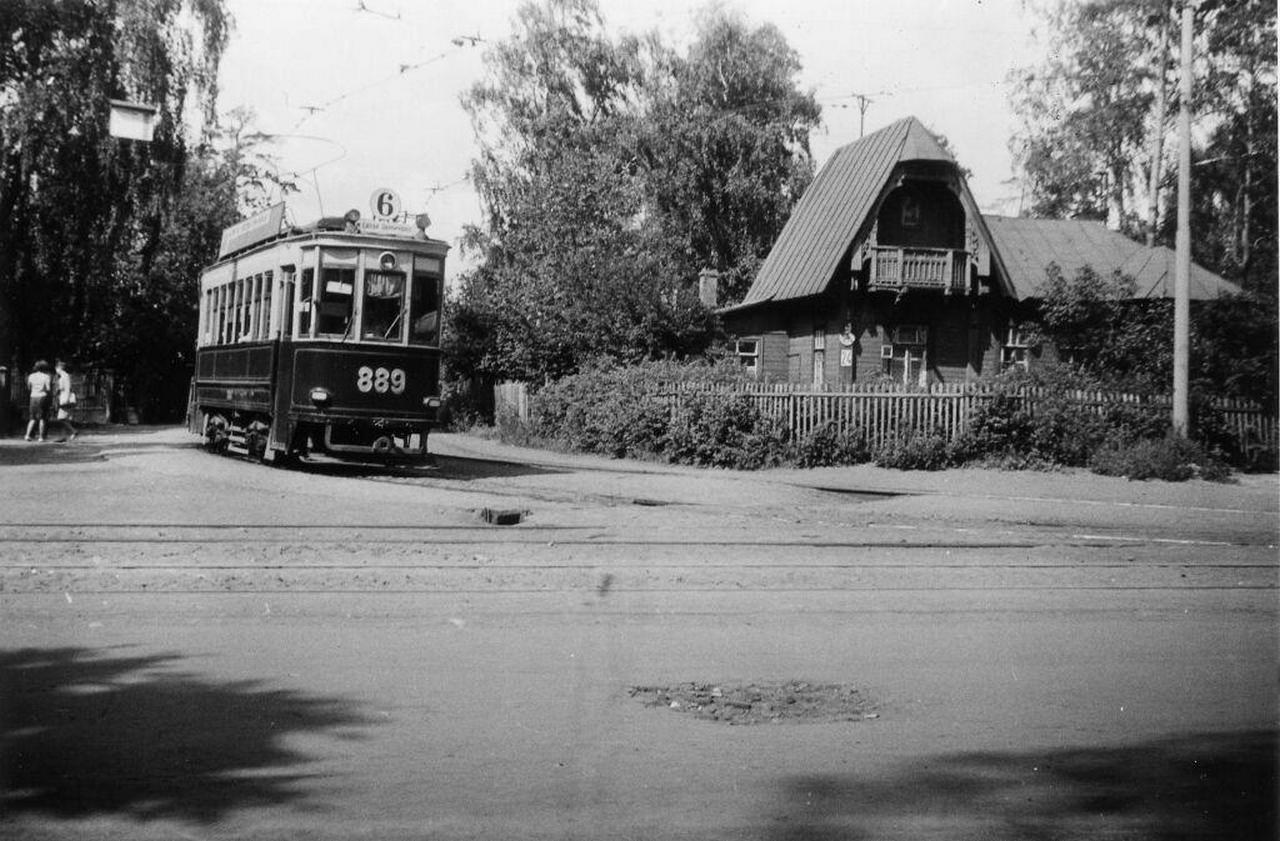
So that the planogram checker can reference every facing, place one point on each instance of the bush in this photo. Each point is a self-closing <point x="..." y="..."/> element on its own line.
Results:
<point x="605" y="409"/>
<point x="723" y="430"/>
<point x="827" y="446"/>
<point x="915" y="451"/>
<point x="1173" y="459"/>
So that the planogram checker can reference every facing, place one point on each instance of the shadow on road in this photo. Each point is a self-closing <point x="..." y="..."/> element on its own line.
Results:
<point x="85" y="734"/>
<point x="1219" y="786"/>
<point x="440" y="467"/>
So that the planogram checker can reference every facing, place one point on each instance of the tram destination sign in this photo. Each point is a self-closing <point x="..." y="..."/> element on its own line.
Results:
<point x="255" y="229"/>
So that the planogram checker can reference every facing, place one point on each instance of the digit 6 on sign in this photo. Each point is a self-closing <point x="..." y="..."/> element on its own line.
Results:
<point x="381" y="380"/>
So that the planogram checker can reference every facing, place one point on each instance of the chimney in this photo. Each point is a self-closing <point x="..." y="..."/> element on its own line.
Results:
<point x="708" y="287"/>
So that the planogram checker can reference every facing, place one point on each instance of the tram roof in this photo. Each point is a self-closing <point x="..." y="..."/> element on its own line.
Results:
<point x="334" y="227"/>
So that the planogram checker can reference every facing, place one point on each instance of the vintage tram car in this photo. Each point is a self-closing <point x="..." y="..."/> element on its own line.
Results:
<point x="320" y="339"/>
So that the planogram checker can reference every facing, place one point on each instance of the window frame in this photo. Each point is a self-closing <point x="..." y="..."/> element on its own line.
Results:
<point x="748" y="359"/>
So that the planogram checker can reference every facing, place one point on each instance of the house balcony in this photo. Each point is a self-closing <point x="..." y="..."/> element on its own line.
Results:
<point x="897" y="268"/>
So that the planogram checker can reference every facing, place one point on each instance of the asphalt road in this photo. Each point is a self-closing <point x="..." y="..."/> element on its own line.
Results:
<point x="197" y="647"/>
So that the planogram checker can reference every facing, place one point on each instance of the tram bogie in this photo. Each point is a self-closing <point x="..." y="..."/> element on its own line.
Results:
<point x="324" y="339"/>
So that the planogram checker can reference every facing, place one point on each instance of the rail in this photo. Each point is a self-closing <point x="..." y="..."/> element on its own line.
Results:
<point x="895" y="267"/>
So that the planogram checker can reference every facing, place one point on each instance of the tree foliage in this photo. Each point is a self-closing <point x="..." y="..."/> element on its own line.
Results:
<point x="611" y="170"/>
<point x="87" y="238"/>
<point x="724" y="143"/>
<point x="1090" y="124"/>
<point x="1095" y="323"/>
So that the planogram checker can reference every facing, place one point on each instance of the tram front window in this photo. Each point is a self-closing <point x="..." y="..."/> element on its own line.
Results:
<point x="337" y="293"/>
<point x="424" y="310"/>
<point x="306" y="302"/>
<point x="382" y="312"/>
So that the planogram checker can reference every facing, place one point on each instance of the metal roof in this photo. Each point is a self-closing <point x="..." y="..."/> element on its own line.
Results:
<point x="1027" y="246"/>
<point x="833" y="209"/>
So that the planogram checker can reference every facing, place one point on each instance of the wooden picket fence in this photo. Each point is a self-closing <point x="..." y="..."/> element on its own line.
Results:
<point x="881" y="412"/>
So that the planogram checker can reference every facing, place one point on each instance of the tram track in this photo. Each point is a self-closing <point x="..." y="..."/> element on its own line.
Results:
<point x="923" y="536"/>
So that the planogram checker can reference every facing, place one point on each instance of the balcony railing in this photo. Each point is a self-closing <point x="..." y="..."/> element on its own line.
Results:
<point x="893" y="267"/>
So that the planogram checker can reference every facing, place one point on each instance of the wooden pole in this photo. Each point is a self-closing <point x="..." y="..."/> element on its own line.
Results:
<point x="1182" y="273"/>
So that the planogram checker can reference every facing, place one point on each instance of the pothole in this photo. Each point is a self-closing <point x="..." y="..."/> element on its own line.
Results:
<point x="793" y="702"/>
<point x="502" y="516"/>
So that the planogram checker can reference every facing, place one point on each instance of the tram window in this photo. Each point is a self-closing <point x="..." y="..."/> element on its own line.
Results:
<point x="424" y="310"/>
<point x="253" y="324"/>
<point x="305" y="303"/>
<point x="229" y="315"/>
<point x="286" y="308"/>
<point x="224" y="316"/>
<point x="337" y="294"/>
<point x="241" y="314"/>
<point x="264" y="320"/>
<point x="218" y="301"/>
<point x="382" y="311"/>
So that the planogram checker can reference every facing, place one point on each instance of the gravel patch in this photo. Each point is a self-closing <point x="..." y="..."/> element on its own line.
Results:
<point x="793" y="702"/>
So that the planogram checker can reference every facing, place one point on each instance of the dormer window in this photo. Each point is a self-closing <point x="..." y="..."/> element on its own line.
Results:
<point x="910" y="212"/>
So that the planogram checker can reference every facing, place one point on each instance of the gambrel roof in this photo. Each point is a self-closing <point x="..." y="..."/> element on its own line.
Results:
<point x="832" y="209"/>
<point x="845" y="193"/>
<point x="835" y="207"/>
<point x="1027" y="246"/>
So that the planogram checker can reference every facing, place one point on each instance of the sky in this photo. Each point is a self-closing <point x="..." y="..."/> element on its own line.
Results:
<point x="364" y="94"/>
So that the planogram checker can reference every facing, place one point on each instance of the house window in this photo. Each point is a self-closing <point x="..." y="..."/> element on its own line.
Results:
<point x="748" y="353"/>
<point x="819" y="354"/>
<point x="905" y="357"/>
<point x="1016" y="349"/>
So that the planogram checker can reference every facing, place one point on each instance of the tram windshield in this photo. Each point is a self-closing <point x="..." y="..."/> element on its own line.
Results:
<point x="337" y="294"/>
<point x="424" y="310"/>
<point x="382" y="311"/>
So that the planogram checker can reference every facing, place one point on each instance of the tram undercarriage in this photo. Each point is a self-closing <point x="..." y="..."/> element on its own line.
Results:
<point x="249" y="435"/>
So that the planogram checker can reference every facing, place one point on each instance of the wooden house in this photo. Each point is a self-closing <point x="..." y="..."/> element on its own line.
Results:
<point x="887" y="270"/>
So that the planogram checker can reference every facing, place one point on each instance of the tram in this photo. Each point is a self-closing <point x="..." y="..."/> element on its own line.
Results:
<point x="321" y="339"/>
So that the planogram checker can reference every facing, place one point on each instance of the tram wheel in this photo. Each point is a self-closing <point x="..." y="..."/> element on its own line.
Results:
<point x="216" y="434"/>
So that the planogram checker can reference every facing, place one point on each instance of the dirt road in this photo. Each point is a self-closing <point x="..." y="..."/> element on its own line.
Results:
<point x="195" y="647"/>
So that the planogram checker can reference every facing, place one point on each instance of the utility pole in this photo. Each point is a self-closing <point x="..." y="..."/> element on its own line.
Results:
<point x="864" y="102"/>
<point x="1182" y="261"/>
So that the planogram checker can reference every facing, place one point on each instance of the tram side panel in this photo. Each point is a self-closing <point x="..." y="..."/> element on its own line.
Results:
<point x="236" y="379"/>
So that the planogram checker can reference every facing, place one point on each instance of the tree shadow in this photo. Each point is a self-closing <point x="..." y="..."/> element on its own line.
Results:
<point x="1206" y="786"/>
<point x="85" y="734"/>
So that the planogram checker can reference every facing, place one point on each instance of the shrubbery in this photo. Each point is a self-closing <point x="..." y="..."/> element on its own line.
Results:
<point x="1173" y="459"/>
<point x="827" y="446"/>
<point x="619" y="411"/>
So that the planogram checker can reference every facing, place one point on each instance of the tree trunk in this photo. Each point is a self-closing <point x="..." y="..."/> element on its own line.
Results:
<point x="1157" y="139"/>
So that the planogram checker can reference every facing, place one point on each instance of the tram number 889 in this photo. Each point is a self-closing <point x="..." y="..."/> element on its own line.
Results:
<point x="380" y="380"/>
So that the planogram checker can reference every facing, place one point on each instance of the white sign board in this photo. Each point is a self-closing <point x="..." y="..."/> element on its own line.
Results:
<point x="385" y="203"/>
<point x="132" y="121"/>
<point x="386" y="228"/>
<point x="257" y="228"/>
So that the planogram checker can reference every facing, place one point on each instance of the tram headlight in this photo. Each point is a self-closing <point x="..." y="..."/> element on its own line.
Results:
<point x="431" y="402"/>
<point x="320" y="396"/>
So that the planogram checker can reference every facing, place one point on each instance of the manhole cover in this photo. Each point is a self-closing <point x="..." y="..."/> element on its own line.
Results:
<point x="793" y="702"/>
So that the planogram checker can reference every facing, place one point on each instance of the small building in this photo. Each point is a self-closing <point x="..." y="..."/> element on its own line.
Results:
<point x="887" y="271"/>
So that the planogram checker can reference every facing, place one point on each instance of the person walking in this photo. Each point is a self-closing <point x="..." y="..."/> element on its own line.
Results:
<point x="40" y="386"/>
<point x="66" y="399"/>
